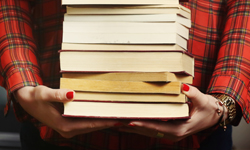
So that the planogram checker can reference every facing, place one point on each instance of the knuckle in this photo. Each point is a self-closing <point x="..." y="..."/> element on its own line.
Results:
<point x="57" y="95"/>
<point x="39" y="92"/>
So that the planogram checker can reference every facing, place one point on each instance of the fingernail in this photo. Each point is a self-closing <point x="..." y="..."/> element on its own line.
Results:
<point x="185" y="87"/>
<point x="70" y="95"/>
<point x="118" y="124"/>
<point x="131" y="124"/>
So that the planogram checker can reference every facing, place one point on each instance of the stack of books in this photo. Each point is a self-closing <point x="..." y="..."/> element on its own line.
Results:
<point x="126" y="59"/>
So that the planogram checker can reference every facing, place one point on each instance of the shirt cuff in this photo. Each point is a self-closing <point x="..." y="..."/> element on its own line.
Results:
<point x="235" y="88"/>
<point x="20" y="77"/>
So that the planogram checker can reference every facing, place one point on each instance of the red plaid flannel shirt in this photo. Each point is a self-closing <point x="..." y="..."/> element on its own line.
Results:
<point x="31" y="35"/>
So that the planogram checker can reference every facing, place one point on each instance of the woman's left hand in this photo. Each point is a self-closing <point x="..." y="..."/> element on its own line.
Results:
<point x="203" y="115"/>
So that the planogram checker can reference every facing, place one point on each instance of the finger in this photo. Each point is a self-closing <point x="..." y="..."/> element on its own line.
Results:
<point x="150" y="132"/>
<point x="197" y="97"/>
<point x="89" y="123"/>
<point x="175" y="127"/>
<point x="75" y="126"/>
<point x="53" y="95"/>
<point x="169" y="126"/>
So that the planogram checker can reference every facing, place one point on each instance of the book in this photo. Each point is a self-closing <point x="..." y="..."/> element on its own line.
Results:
<point x="120" y="2"/>
<point x="120" y="86"/>
<point x="155" y="9"/>
<point x="129" y="18"/>
<point x="121" y="47"/>
<point x="125" y="38"/>
<point x="131" y="76"/>
<point x="126" y="110"/>
<point x="132" y="61"/>
<point x="121" y="28"/>
<point x="129" y="97"/>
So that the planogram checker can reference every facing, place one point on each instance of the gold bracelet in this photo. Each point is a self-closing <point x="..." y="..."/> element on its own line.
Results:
<point x="229" y="103"/>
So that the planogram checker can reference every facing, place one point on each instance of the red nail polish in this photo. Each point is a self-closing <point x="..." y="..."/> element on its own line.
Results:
<point x="118" y="124"/>
<point x="185" y="87"/>
<point x="131" y="124"/>
<point x="70" y="95"/>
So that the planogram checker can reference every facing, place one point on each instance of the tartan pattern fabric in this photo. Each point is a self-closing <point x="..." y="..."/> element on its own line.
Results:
<point x="31" y="35"/>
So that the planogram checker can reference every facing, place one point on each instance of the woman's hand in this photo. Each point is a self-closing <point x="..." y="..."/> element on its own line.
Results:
<point x="203" y="115"/>
<point x="38" y="102"/>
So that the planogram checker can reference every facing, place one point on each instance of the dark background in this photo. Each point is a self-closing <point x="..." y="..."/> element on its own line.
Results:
<point x="9" y="126"/>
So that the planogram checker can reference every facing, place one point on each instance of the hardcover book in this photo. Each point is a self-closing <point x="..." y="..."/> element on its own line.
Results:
<point x="129" y="97"/>
<point x="99" y="61"/>
<point x="109" y="28"/>
<point x="121" y="47"/>
<point x="117" y="110"/>
<point x="120" y="2"/>
<point x="149" y="9"/>
<point x="121" y="86"/>
<point x="131" y="76"/>
<point x="125" y="38"/>
<point x="129" y="18"/>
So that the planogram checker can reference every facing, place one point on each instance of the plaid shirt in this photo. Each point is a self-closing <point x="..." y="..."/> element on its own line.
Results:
<point x="31" y="35"/>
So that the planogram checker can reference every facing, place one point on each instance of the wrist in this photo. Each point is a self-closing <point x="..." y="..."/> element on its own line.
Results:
<point x="229" y="108"/>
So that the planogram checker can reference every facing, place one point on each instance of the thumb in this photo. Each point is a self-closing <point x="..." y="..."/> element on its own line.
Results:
<point x="193" y="94"/>
<point x="53" y="95"/>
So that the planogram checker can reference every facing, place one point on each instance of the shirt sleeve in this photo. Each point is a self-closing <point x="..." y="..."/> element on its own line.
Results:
<point x="18" y="52"/>
<point x="232" y="71"/>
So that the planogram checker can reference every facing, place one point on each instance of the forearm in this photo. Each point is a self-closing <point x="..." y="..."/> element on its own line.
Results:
<point x="231" y="74"/>
<point x="19" y="66"/>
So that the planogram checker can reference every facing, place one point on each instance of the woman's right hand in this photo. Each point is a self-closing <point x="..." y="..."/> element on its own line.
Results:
<point x="38" y="102"/>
